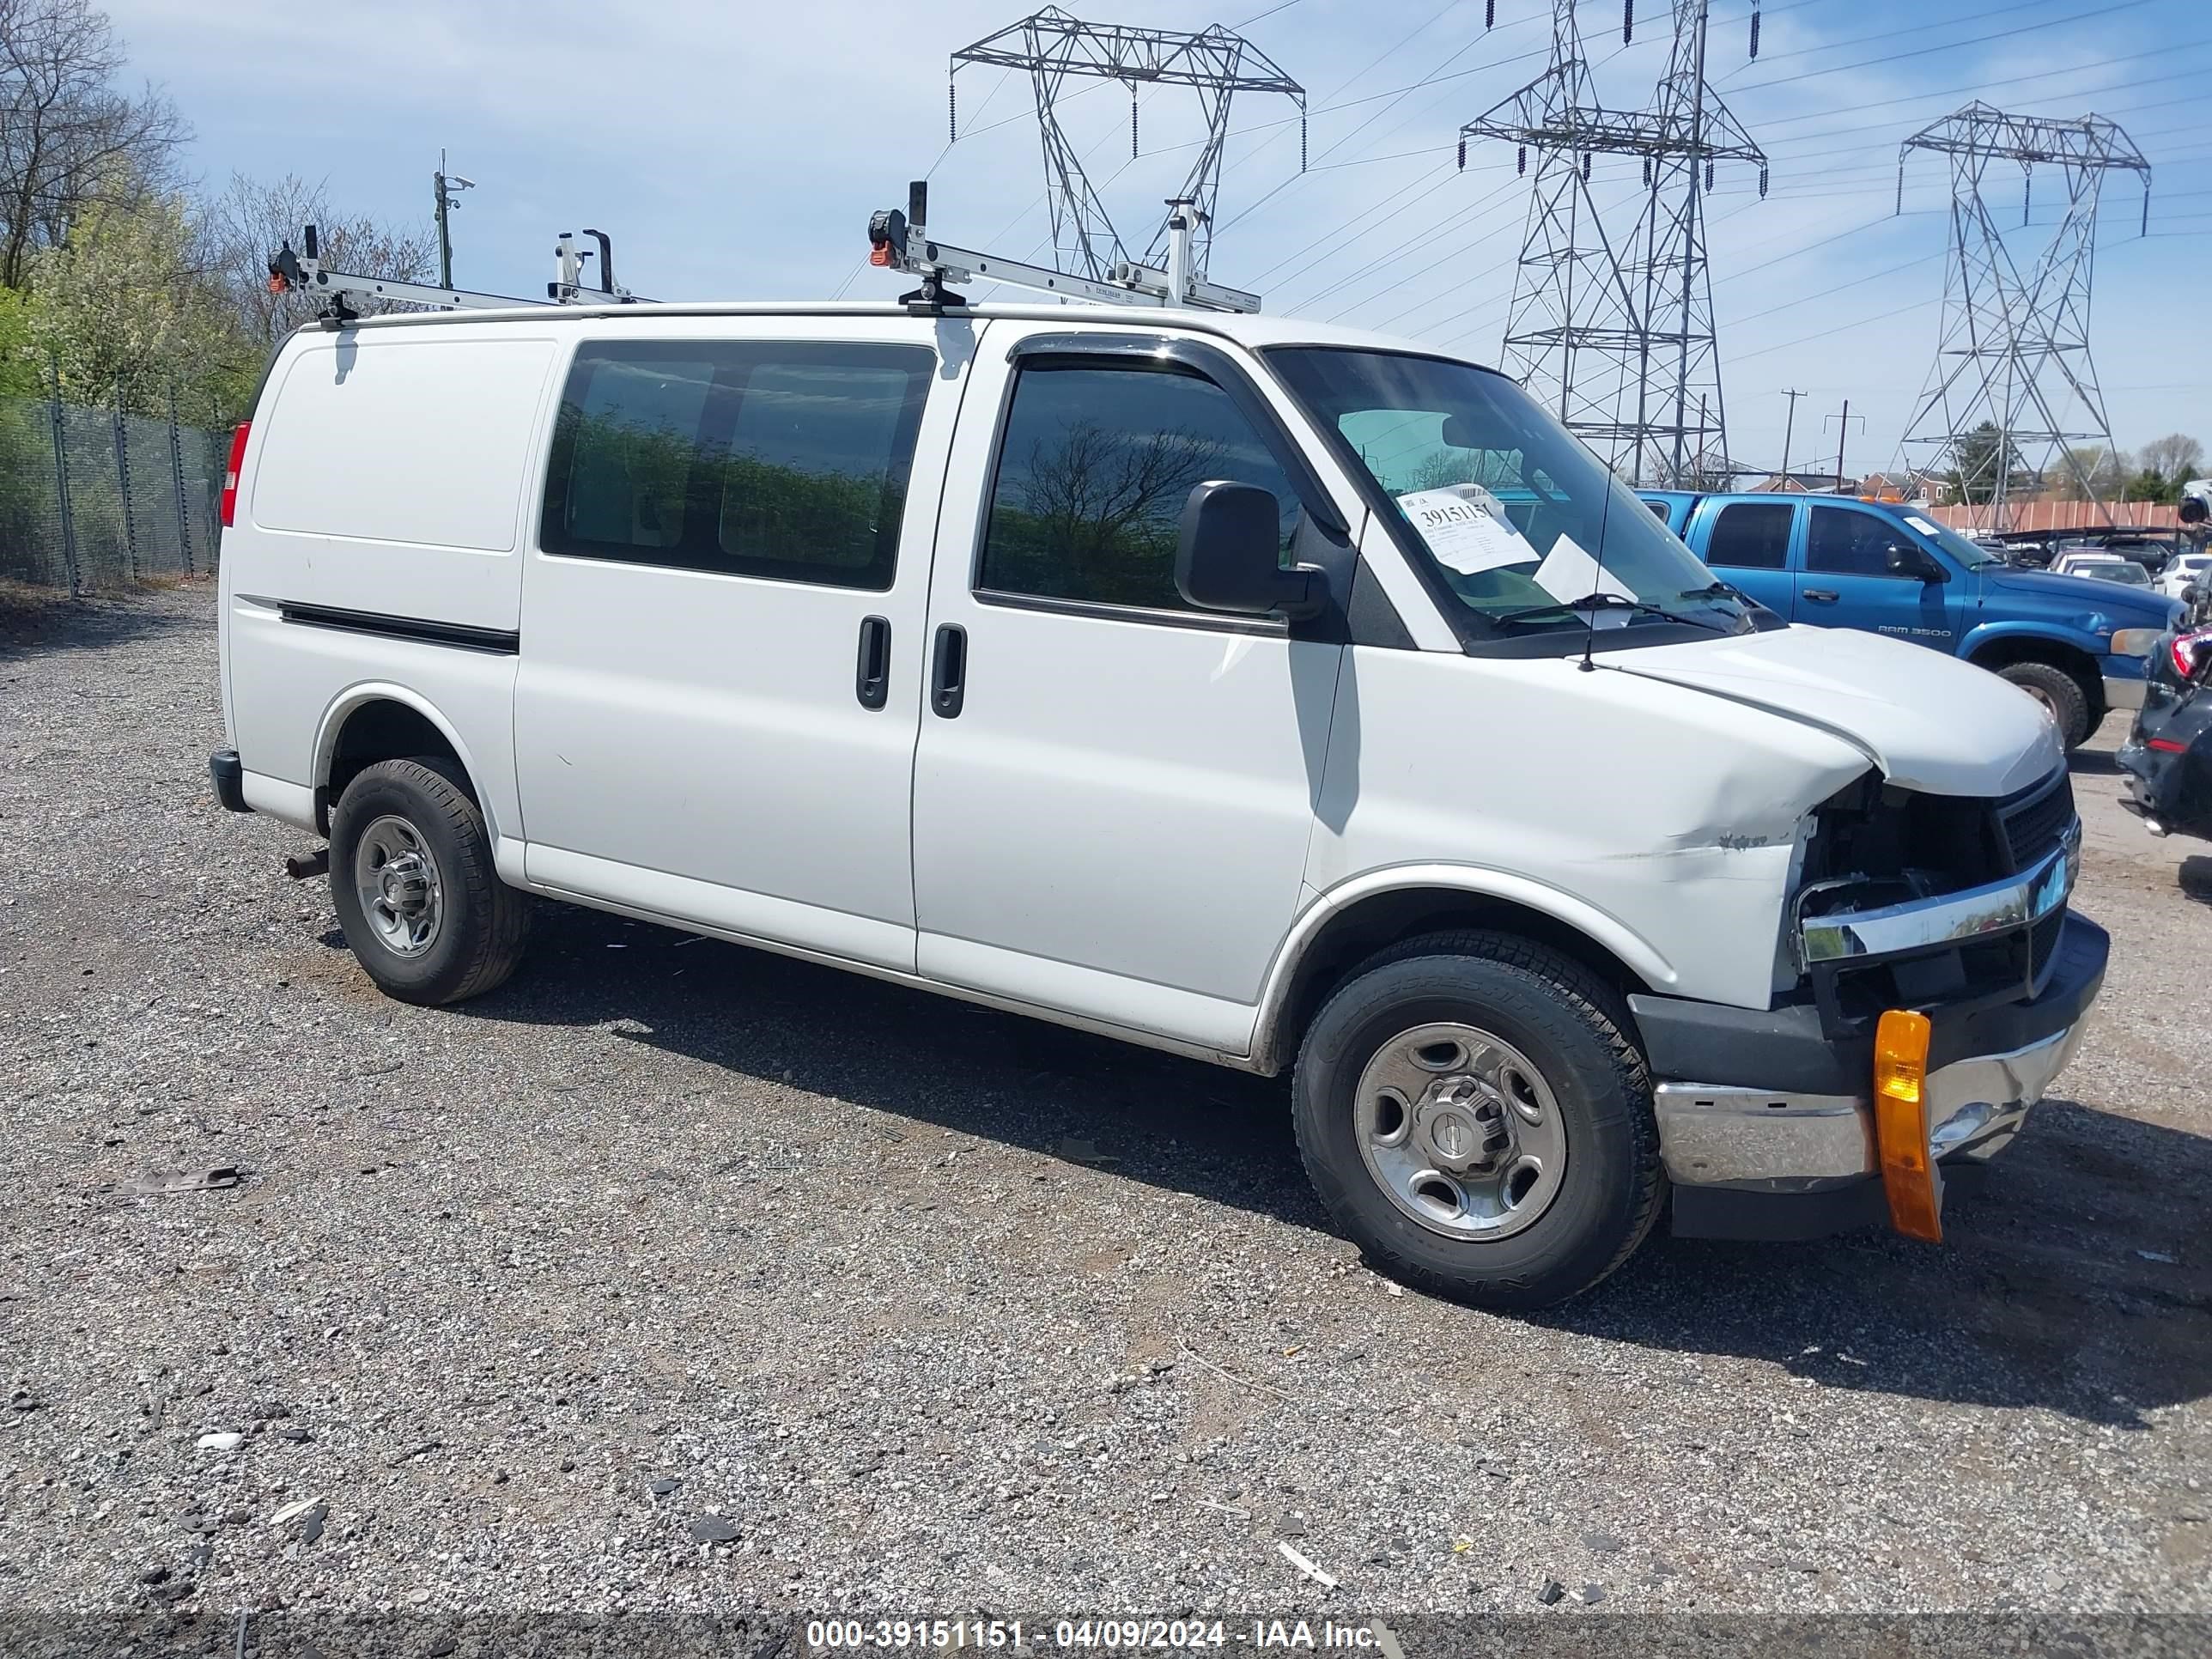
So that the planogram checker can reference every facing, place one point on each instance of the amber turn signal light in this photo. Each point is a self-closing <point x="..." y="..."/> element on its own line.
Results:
<point x="1909" y="1176"/>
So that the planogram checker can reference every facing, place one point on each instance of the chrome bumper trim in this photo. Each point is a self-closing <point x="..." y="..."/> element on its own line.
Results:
<point x="1996" y="908"/>
<point x="2124" y="694"/>
<point x="1783" y="1142"/>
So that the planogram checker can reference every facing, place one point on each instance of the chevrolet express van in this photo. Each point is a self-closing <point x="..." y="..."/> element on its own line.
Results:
<point x="1291" y="698"/>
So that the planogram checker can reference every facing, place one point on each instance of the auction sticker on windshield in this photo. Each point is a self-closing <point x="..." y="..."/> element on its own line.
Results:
<point x="1467" y="528"/>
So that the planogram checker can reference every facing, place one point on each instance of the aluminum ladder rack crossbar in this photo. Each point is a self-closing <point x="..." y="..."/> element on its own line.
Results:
<point x="345" y="292"/>
<point x="900" y="242"/>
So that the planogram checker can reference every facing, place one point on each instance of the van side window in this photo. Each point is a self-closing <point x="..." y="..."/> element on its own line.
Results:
<point x="1845" y="541"/>
<point x="753" y="458"/>
<point x="1093" y="471"/>
<point x="1751" y="536"/>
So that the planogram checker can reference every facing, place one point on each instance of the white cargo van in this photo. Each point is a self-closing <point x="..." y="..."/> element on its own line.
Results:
<point x="1291" y="698"/>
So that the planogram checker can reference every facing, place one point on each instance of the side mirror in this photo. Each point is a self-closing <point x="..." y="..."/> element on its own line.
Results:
<point x="1228" y="555"/>
<point x="1906" y="559"/>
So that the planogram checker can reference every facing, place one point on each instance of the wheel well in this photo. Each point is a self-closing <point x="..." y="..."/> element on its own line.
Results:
<point x="384" y="730"/>
<point x="2076" y="665"/>
<point x="1374" y="924"/>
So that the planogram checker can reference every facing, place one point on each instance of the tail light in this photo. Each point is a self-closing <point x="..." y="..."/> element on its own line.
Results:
<point x="230" y="472"/>
<point x="2191" y="652"/>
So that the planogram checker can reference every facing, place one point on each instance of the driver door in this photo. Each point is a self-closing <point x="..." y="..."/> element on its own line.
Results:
<point x="1861" y="570"/>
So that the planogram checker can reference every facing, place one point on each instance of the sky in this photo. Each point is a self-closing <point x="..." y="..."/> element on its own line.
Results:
<point x="735" y="151"/>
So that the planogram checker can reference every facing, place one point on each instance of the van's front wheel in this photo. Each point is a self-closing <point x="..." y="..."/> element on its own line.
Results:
<point x="412" y="879"/>
<point x="1473" y="1112"/>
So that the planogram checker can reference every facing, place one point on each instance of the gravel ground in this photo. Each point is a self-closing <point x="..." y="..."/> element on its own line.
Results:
<point x="922" y="1308"/>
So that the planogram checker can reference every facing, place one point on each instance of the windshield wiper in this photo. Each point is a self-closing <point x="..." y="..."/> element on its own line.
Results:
<point x="1717" y="591"/>
<point x="1609" y="600"/>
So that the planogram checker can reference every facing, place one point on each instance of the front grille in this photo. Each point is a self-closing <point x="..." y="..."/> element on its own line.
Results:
<point x="2042" y="942"/>
<point x="2036" y="819"/>
<point x="1885" y="846"/>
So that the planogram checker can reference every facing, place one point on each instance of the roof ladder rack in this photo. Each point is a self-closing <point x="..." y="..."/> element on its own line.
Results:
<point x="343" y="293"/>
<point x="900" y="241"/>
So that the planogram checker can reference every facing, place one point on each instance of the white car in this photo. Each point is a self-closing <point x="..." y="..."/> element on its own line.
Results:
<point x="1299" y="700"/>
<point x="2103" y="568"/>
<point x="2185" y="570"/>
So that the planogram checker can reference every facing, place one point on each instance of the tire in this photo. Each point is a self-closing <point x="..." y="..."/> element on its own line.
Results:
<point x="1591" y="1086"/>
<point x="444" y="927"/>
<point x="2057" y="691"/>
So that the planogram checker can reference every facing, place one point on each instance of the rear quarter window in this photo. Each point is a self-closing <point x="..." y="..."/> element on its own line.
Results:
<point x="402" y="437"/>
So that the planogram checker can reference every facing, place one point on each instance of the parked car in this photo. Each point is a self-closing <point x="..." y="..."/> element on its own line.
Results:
<point x="2102" y="567"/>
<point x="2151" y="552"/>
<point x="1269" y="694"/>
<point x="2184" y="572"/>
<point x="1836" y="562"/>
<point x="2167" y="759"/>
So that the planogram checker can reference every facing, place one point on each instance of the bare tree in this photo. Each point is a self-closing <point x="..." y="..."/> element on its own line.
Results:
<point x="1107" y="502"/>
<point x="69" y="138"/>
<point x="2091" y="467"/>
<point x="2176" y="456"/>
<point x="251" y="220"/>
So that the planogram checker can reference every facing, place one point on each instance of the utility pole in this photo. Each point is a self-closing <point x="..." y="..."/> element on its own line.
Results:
<point x="1842" y="430"/>
<point x="444" y="185"/>
<point x="1789" y="429"/>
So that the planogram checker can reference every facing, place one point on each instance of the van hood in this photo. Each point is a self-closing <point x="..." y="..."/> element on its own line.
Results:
<point x="2122" y="606"/>
<point x="1928" y="721"/>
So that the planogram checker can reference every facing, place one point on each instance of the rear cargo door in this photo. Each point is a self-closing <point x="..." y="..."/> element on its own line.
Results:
<point x="723" y="621"/>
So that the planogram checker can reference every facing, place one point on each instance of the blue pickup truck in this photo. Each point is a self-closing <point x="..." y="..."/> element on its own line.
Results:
<point x="2074" y="644"/>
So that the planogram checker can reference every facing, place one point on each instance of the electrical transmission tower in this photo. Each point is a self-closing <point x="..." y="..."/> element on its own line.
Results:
<point x="1053" y="47"/>
<point x="2013" y="390"/>
<point x="1615" y="334"/>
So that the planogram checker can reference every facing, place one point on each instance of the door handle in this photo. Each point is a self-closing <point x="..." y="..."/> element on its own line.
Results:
<point x="948" y="670"/>
<point x="1822" y="595"/>
<point x="872" y="675"/>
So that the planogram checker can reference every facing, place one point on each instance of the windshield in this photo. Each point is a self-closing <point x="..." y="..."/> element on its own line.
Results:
<point x="1525" y="527"/>
<point x="1972" y="555"/>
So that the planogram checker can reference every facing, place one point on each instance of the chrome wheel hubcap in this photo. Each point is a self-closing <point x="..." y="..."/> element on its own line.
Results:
<point x="1460" y="1131"/>
<point x="396" y="877"/>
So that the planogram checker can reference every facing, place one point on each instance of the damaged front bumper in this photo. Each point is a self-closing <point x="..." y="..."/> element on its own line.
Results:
<point x="1766" y="1120"/>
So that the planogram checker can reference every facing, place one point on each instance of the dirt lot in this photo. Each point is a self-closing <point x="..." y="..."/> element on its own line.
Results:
<point x="936" y="1309"/>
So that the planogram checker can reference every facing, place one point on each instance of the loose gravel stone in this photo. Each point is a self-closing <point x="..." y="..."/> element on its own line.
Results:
<point x="778" y="1233"/>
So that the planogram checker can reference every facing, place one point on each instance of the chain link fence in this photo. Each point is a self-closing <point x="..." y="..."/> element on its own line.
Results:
<point x="93" y="501"/>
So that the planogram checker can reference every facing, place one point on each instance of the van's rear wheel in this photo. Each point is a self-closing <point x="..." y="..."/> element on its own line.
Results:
<point x="1472" y="1110"/>
<point x="2057" y="691"/>
<point x="412" y="877"/>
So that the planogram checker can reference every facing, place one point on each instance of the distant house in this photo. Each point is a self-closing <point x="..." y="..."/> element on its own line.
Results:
<point x="1803" y="483"/>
